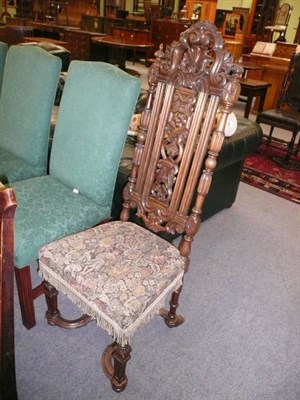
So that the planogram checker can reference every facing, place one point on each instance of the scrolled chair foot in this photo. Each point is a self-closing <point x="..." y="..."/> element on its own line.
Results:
<point x="114" y="360"/>
<point x="171" y="321"/>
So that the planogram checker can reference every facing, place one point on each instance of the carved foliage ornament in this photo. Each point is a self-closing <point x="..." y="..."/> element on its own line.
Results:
<point x="196" y="63"/>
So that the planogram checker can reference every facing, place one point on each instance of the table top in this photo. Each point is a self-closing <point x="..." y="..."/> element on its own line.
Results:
<point x="122" y="42"/>
<point x="38" y="39"/>
<point x="250" y="66"/>
<point x="254" y="83"/>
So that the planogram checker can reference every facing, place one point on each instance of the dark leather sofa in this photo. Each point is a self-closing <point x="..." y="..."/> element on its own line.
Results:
<point x="227" y="174"/>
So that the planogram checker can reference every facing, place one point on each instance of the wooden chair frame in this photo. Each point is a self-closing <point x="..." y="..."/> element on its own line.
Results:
<point x="8" y="388"/>
<point x="192" y="88"/>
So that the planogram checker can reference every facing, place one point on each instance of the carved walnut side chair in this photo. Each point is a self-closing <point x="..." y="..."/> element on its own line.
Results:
<point x="8" y="389"/>
<point x="121" y="273"/>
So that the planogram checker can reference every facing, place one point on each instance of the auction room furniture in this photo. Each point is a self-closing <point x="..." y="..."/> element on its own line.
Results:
<point x="262" y="13"/>
<point x="39" y="39"/>
<point x="286" y="115"/>
<point x="281" y="23"/>
<point x="252" y="88"/>
<point x="8" y="389"/>
<point x="94" y="115"/>
<point x="165" y="31"/>
<point x="207" y="9"/>
<point x="140" y="35"/>
<point x="15" y="34"/>
<point x="133" y="271"/>
<point x="78" y="40"/>
<point x="225" y="184"/>
<point x="56" y="8"/>
<point x="27" y="97"/>
<point x="274" y="59"/>
<point x="3" y="51"/>
<point x="122" y="44"/>
<point x="54" y="49"/>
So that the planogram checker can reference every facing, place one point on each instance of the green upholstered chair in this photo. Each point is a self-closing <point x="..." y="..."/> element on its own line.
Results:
<point x="3" y="51"/>
<point x="92" y="123"/>
<point x="28" y="91"/>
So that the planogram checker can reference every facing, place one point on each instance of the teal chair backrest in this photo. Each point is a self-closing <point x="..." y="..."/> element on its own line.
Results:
<point x="28" y="90"/>
<point x="3" y="51"/>
<point x="94" y="115"/>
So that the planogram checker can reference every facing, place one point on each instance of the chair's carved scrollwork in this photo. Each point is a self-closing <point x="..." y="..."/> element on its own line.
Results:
<point x="202" y="74"/>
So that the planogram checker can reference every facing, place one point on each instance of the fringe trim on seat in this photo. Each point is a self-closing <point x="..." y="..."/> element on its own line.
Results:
<point x="120" y="335"/>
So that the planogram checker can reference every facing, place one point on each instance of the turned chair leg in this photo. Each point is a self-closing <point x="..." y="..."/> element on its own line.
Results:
<point x="291" y="146"/>
<point x="51" y="299"/>
<point x="270" y="135"/>
<point x="171" y="318"/>
<point x="26" y="296"/>
<point x="53" y="315"/>
<point x="120" y="355"/>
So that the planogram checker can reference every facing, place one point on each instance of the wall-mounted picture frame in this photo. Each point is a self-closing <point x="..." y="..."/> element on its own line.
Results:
<point x="232" y="25"/>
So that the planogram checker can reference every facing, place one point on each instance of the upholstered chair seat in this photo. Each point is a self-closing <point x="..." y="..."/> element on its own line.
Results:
<point x="288" y="118"/>
<point x="121" y="272"/>
<point x="57" y="208"/>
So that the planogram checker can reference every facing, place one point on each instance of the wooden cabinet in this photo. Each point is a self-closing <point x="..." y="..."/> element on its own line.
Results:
<point x="165" y="31"/>
<point x="24" y="8"/>
<point x="79" y="43"/>
<point x="274" y="69"/>
<point x="262" y="13"/>
<point x="140" y="35"/>
<point x="208" y="9"/>
<point x="235" y="48"/>
<point x="93" y="23"/>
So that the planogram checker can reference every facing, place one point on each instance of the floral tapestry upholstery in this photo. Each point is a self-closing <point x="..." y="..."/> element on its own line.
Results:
<point x="119" y="273"/>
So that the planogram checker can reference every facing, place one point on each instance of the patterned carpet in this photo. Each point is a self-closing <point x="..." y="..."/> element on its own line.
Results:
<point x="265" y="170"/>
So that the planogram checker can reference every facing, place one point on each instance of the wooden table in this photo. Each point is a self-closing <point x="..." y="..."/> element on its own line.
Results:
<point x="123" y="44"/>
<point x="251" y="88"/>
<point x="248" y="66"/>
<point x="39" y="39"/>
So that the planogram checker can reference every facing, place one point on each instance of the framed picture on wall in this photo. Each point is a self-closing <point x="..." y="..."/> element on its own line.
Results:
<point x="232" y="25"/>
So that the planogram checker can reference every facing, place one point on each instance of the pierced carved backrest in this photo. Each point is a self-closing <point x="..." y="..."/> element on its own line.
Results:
<point x="290" y="95"/>
<point x="192" y="88"/>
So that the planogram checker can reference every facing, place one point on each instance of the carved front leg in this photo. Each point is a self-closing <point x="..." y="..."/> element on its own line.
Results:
<point x="118" y="355"/>
<point x="171" y="318"/>
<point x="53" y="314"/>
